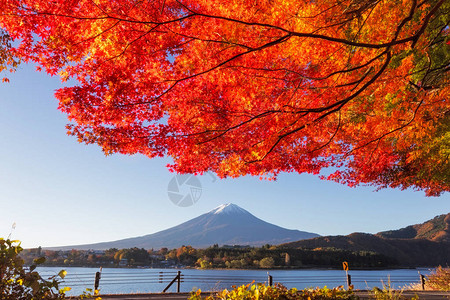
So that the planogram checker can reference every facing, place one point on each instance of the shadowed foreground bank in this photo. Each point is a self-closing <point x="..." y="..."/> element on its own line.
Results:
<point x="362" y="294"/>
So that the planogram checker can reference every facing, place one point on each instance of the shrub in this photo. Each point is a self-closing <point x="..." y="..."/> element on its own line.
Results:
<point x="19" y="282"/>
<point x="439" y="279"/>
<point x="277" y="292"/>
<point x="267" y="262"/>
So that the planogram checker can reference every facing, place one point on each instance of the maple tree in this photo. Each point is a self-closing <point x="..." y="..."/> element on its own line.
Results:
<point x="359" y="87"/>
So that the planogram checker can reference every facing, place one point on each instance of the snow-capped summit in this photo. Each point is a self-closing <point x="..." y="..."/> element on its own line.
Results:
<point x="228" y="208"/>
<point x="227" y="224"/>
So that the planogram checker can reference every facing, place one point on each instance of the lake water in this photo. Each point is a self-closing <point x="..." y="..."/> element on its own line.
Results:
<point x="123" y="280"/>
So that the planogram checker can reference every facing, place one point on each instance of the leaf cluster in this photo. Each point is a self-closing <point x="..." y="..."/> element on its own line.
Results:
<point x="20" y="282"/>
<point x="8" y="61"/>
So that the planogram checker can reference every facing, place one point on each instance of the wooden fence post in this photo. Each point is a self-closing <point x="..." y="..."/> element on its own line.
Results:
<point x="422" y="281"/>
<point x="269" y="279"/>
<point x="98" y="275"/>
<point x="177" y="279"/>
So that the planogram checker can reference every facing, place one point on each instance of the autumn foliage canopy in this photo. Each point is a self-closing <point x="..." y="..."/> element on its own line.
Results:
<point x="353" y="90"/>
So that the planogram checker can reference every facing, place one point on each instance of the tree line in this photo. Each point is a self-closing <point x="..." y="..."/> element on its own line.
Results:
<point x="234" y="257"/>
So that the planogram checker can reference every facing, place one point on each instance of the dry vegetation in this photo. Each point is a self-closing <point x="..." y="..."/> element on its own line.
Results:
<point x="438" y="280"/>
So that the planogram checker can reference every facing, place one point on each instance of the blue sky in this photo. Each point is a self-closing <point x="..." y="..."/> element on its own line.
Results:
<point x="59" y="192"/>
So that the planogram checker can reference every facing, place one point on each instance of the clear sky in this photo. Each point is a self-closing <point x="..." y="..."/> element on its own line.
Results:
<point x="59" y="192"/>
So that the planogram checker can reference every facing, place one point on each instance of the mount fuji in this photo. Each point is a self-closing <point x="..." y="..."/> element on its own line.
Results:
<point x="227" y="224"/>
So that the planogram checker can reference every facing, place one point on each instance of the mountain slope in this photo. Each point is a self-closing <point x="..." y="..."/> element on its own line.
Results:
<point x="425" y="244"/>
<point x="437" y="229"/>
<point x="228" y="224"/>
<point x="408" y="252"/>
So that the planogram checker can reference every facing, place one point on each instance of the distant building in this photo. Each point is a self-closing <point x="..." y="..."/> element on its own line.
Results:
<point x="123" y="262"/>
<point x="157" y="257"/>
<point x="236" y="246"/>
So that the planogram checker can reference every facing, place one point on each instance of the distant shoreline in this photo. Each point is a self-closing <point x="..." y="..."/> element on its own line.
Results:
<point x="321" y="268"/>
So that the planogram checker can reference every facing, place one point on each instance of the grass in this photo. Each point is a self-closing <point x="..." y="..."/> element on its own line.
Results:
<point x="387" y="292"/>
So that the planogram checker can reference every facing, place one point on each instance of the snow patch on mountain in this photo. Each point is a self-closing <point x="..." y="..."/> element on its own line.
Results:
<point x="228" y="208"/>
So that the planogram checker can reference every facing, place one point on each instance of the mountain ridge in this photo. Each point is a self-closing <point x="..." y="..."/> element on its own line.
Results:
<point x="436" y="229"/>
<point x="417" y="245"/>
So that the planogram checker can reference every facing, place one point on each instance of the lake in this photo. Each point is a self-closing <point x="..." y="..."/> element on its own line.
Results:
<point x="123" y="280"/>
